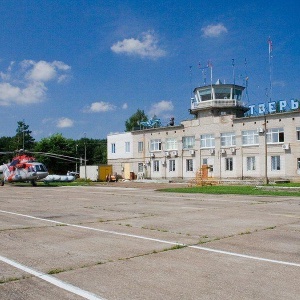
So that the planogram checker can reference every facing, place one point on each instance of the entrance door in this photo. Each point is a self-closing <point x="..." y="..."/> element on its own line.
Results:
<point x="204" y="170"/>
<point x="126" y="171"/>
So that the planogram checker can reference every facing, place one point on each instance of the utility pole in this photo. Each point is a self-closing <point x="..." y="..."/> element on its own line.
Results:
<point x="266" y="151"/>
<point x="23" y="131"/>
<point x="85" y="156"/>
<point x="23" y="138"/>
<point x="76" y="159"/>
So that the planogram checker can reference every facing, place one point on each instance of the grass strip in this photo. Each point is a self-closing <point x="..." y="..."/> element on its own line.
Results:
<point x="235" y="190"/>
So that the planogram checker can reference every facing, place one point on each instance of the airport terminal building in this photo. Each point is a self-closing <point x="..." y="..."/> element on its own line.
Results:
<point x="225" y="139"/>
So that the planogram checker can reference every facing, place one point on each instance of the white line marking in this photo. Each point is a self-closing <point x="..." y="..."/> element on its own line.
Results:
<point x="160" y="241"/>
<point x="61" y="284"/>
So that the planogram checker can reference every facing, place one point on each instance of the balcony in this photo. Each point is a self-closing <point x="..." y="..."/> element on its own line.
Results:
<point x="217" y="103"/>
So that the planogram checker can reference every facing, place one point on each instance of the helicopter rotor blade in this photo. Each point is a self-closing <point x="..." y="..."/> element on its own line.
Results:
<point x="47" y="154"/>
<point x="58" y="156"/>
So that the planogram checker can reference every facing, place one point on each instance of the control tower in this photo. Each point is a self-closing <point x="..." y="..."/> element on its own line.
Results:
<point x="218" y="100"/>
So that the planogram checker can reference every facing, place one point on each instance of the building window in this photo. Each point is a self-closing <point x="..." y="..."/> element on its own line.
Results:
<point x="250" y="137"/>
<point x="298" y="133"/>
<point x="207" y="141"/>
<point x="222" y="93"/>
<point x="275" y="135"/>
<point x="204" y="161"/>
<point x="140" y="146"/>
<point x="298" y="163"/>
<point x="275" y="163"/>
<point x="228" y="164"/>
<point x="171" y="165"/>
<point x="113" y="148"/>
<point x="127" y="147"/>
<point x="251" y="163"/>
<point x="171" y="144"/>
<point x="156" y="165"/>
<point x="155" y="145"/>
<point x="227" y="139"/>
<point x="188" y="142"/>
<point x="140" y="167"/>
<point x="189" y="165"/>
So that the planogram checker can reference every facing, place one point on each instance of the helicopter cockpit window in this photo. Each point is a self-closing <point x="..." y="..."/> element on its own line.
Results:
<point x="40" y="168"/>
<point x="43" y="168"/>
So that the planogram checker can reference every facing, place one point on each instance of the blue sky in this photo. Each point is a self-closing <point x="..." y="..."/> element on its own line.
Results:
<point x="76" y="67"/>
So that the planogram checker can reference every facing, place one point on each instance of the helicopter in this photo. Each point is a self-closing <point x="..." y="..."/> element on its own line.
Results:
<point x="24" y="167"/>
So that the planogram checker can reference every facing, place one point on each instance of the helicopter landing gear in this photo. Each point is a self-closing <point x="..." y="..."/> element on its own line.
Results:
<point x="33" y="183"/>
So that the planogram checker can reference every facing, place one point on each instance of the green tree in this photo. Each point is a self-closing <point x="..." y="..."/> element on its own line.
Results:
<point x="7" y="144"/>
<point x="23" y="138"/>
<point x="96" y="151"/>
<point x="135" y="120"/>
<point x="57" y="145"/>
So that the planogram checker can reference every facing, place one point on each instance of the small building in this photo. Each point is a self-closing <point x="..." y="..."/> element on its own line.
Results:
<point x="231" y="139"/>
<point x="96" y="173"/>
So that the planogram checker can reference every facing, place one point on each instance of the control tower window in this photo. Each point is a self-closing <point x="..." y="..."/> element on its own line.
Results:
<point x="237" y="94"/>
<point x="222" y="93"/>
<point x="204" y="95"/>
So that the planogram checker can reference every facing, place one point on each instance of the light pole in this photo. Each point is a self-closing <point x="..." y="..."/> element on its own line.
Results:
<point x="266" y="179"/>
<point x="23" y="131"/>
<point x="85" y="156"/>
<point x="23" y="139"/>
<point x="76" y="159"/>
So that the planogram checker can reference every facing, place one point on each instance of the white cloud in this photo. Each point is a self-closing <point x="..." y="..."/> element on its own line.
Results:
<point x="145" y="47"/>
<point x="25" y="83"/>
<point x="64" y="123"/>
<point x="125" y="106"/>
<point x="6" y="76"/>
<point x="33" y="93"/>
<point x="99" y="107"/>
<point x="44" y="71"/>
<point x="159" y="108"/>
<point x="214" y="30"/>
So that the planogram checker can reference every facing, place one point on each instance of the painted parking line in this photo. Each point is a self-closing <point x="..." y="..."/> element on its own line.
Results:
<point x="59" y="283"/>
<point x="160" y="241"/>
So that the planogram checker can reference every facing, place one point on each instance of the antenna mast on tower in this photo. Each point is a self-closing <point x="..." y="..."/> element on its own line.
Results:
<point x="191" y="82"/>
<point x="233" y="71"/>
<point x="246" y="80"/>
<point x="270" y="65"/>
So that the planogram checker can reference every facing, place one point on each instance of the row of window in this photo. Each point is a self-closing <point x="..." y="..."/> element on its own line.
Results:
<point x="171" y="165"/>
<point x="228" y="139"/>
<point x="189" y="164"/>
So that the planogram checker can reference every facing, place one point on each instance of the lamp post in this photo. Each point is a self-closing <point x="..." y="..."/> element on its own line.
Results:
<point x="85" y="156"/>
<point x="76" y="159"/>
<point x="23" y="131"/>
<point x="23" y="139"/>
<point x="266" y="179"/>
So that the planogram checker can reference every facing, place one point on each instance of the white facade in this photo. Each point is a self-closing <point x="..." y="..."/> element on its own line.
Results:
<point x="220" y="137"/>
<point x="91" y="172"/>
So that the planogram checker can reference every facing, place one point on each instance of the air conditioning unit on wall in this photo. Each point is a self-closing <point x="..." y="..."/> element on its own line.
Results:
<point x="192" y="152"/>
<point x="232" y="150"/>
<point x="175" y="153"/>
<point x="223" y="151"/>
<point x="260" y="130"/>
<point x="152" y="155"/>
<point x="286" y="146"/>
<point x="167" y="153"/>
<point x="212" y="151"/>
